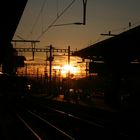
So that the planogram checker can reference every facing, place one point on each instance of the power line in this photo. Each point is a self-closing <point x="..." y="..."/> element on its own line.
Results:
<point x="55" y="20"/>
<point x="77" y="23"/>
<point x="41" y="11"/>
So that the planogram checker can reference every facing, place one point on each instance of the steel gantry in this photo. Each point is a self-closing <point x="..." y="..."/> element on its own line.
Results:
<point x="49" y="50"/>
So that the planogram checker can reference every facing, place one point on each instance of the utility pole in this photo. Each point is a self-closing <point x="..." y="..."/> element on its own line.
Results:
<point x="33" y="52"/>
<point x="68" y="70"/>
<point x="50" y="60"/>
<point x="68" y="55"/>
<point x="86" y="69"/>
<point x="84" y="11"/>
<point x="46" y="66"/>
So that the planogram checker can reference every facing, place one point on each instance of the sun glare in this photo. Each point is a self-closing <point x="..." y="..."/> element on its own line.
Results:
<point x="69" y="68"/>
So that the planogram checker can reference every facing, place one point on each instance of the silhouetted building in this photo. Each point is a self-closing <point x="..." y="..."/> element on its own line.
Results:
<point x="120" y="56"/>
<point x="10" y="13"/>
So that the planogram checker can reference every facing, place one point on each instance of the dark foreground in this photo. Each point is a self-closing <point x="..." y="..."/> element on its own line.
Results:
<point x="98" y="122"/>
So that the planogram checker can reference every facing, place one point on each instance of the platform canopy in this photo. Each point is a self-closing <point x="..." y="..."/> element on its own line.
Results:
<point x="125" y="45"/>
<point x="120" y="54"/>
<point x="10" y="14"/>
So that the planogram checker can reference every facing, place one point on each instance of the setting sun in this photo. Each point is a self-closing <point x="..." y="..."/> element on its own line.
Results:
<point x="69" y="68"/>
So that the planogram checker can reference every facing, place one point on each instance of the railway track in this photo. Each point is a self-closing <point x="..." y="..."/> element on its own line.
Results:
<point x="47" y="122"/>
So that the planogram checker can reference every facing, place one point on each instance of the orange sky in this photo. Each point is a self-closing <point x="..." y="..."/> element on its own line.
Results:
<point x="102" y="16"/>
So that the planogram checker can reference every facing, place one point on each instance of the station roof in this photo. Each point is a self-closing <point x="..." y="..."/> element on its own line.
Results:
<point x="10" y="12"/>
<point x="123" y="45"/>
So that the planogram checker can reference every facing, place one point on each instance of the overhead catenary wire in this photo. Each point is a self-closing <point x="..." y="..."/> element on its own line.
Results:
<point x="57" y="7"/>
<point x="40" y="13"/>
<point x="55" y="20"/>
<point x="74" y="23"/>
